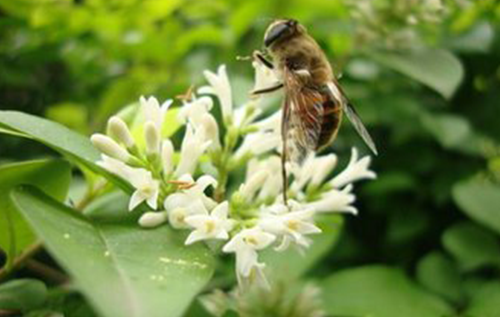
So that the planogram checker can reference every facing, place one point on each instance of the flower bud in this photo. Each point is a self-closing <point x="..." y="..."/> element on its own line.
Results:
<point x="119" y="131"/>
<point x="152" y="136"/>
<point x="211" y="130"/>
<point x="255" y="182"/>
<point x="153" y="219"/>
<point x="167" y="152"/>
<point x="109" y="147"/>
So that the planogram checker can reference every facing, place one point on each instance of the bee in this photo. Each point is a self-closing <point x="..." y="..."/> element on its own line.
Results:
<point x="314" y="101"/>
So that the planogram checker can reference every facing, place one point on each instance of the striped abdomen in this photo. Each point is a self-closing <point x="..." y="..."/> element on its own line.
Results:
<point x="330" y="124"/>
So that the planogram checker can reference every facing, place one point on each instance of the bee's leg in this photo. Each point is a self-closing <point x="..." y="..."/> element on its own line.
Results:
<point x="267" y="90"/>
<point x="258" y="55"/>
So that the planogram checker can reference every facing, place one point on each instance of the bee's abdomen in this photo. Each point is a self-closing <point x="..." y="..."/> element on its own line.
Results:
<point x="332" y="115"/>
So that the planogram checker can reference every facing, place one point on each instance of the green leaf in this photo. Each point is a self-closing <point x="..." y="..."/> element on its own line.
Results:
<point x="291" y="264"/>
<point x="435" y="68"/>
<point x="480" y="201"/>
<point x="53" y="135"/>
<point x="378" y="291"/>
<point x="22" y="294"/>
<point x="122" y="269"/>
<point x="75" y="146"/>
<point x="51" y="176"/>
<point x="472" y="246"/>
<point x="485" y="302"/>
<point x="439" y="274"/>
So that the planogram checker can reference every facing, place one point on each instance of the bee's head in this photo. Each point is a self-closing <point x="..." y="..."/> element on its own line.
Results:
<point x="280" y="30"/>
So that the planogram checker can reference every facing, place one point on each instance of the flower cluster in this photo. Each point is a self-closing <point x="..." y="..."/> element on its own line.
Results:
<point x="174" y="183"/>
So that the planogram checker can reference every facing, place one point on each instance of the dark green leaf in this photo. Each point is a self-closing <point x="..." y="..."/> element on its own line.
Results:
<point x="480" y="201"/>
<point x="473" y="246"/>
<point x="485" y="302"/>
<point x="439" y="274"/>
<point x="123" y="270"/>
<point x="51" y="176"/>
<point x="22" y="294"/>
<point x="378" y="291"/>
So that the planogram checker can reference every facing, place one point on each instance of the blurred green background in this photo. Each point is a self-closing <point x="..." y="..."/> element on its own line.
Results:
<point x="424" y="75"/>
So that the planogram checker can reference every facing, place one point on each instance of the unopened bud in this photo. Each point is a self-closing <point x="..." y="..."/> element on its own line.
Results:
<point x="255" y="182"/>
<point x="118" y="130"/>
<point x="109" y="147"/>
<point x="153" y="219"/>
<point x="167" y="152"/>
<point x="152" y="136"/>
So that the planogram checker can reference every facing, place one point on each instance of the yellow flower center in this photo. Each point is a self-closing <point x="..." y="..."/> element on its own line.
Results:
<point x="209" y="226"/>
<point x="250" y="240"/>
<point x="293" y="224"/>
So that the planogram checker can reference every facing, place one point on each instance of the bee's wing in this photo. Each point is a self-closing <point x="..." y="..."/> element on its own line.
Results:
<point x="353" y="116"/>
<point x="302" y="118"/>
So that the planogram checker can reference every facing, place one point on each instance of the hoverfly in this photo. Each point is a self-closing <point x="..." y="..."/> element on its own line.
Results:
<point x="314" y="101"/>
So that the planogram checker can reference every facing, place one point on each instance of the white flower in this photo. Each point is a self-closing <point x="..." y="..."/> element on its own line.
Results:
<point x="335" y="201"/>
<point x="115" y="166"/>
<point x="167" y="152"/>
<point x="189" y="201"/>
<point x="180" y="207"/>
<point x="147" y="188"/>
<point x="291" y="226"/>
<point x="355" y="170"/>
<point x="245" y="244"/>
<point x="152" y="137"/>
<point x="270" y="123"/>
<point x="193" y="146"/>
<point x="109" y="147"/>
<point x="253" y="184"/>
<point x="211" y="128"/>
<point x="153" y="219"/>
<point x="264" y="77"/>
<point x="153" y="111"/>
<point x="194" y="110"/>
<point x="213" y="226"/>
<point x="220" y="86"/>
<point x="314" y="170"/>
<point x="258" y="143"/>
<point x="119" y="130"/>
<point x="274" y="182"/>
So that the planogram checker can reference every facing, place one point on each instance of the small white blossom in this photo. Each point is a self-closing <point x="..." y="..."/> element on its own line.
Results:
<point x="119" y="130"/>
<point x="147" y="188"/>
<point x="314" y="171"/>
<point x="152" y="137"/>
<point x="153" y="111"/>
<point x="180" y="207"/>
<point x="115" y="166"/>
<point x="335" y="201"/>
<point x="167" y="153"/>
<point x="274" y="182"/>
<point x="264" y="77"/>
<point x="245" y="244"/>
<point x="213" y="226"/>
<point x="109" y="147"/>
<point x="355" y="170"/>
<point x="153" y="219"/>
<point x="258" y="143"/>
<point x="211" y="128"/>
<point x="253" y="184"/>
<point x="194" y="110"/>
<point x="193" y="146"/>
<point x="220" y="86"/>
<point x="189" y="201"/>
<point x="291" y="226"/>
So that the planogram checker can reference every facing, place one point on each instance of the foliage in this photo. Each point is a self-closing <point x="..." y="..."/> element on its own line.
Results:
<point x="423" y="75"/>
